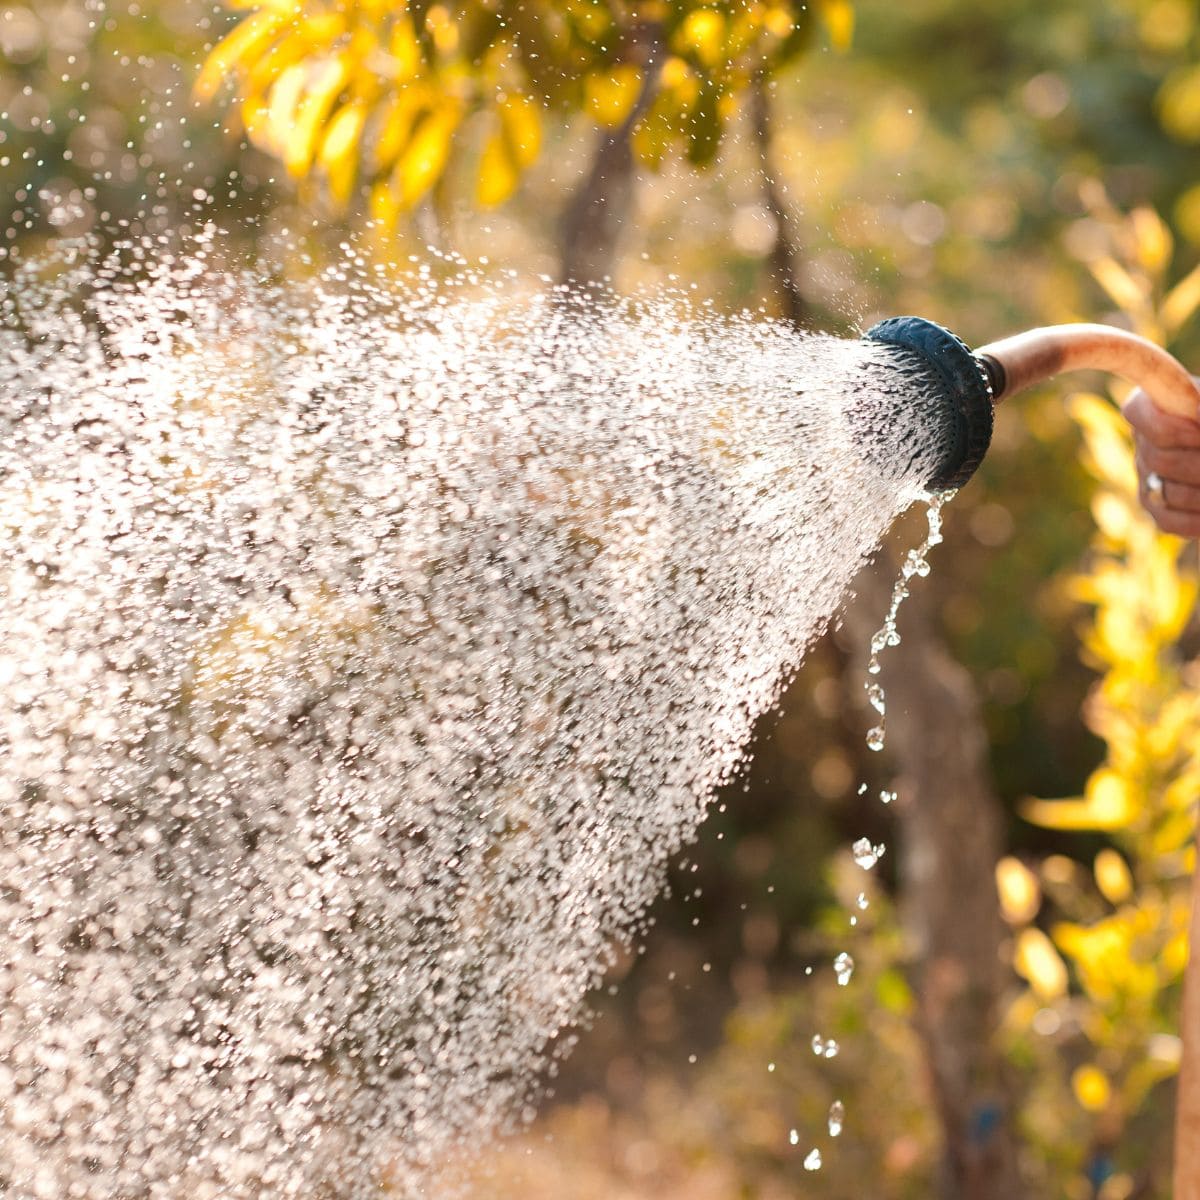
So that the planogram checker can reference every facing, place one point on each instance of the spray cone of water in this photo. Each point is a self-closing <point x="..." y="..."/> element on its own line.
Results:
<point x="368" y="652"/>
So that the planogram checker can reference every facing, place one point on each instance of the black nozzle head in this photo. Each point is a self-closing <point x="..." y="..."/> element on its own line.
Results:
<point x="961" y="380"/>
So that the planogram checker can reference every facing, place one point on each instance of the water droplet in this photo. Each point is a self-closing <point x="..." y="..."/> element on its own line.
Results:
<point x="876" y="737"/>
<point x="794" y="1137"/>
<point x="865" y="854"/>
<point x="812" y="1161"/>
<point x="843" y="968"/>
<point x="837" y="1118"/>
<point x="824" y="1047"/>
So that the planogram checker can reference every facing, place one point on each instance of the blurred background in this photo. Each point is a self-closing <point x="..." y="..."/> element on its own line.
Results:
<point x="1011" y="1028"/>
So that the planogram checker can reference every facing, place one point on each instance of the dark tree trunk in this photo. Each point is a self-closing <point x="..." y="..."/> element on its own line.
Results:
<point x="951" y="826"/>
<point x="597" y="212"/>
<point x="784" y="257"/>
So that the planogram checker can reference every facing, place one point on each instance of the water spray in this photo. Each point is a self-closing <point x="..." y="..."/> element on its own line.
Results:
<point x="369" y="652"/>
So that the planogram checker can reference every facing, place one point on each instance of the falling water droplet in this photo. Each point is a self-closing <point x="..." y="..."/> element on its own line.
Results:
<point x="837" y="1118"/>
<point x="861" y="901"/>
<point x="886" y="797"/>
<point x="888" y="634"/>
<point x="812" y="1161"/>
<point x="843" y="968"/>
<point x="865" y="854"/>
<point x="824" y="1047"/>
<point x="794" y="1137"/>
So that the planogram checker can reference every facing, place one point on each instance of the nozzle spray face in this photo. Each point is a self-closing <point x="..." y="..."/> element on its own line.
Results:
<point x="955" y="385"/>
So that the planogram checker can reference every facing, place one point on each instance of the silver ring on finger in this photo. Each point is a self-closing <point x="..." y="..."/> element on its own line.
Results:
<point x="1156" y="489"/>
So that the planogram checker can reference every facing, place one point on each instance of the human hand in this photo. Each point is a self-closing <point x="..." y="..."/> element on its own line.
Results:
<point x="1168" y="465"/>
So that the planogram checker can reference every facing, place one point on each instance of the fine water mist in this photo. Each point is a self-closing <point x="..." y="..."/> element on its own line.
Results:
<point x="369" y="649"/>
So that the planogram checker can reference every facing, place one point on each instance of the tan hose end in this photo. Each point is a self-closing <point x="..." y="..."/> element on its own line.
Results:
<point x="1032" y="357"/>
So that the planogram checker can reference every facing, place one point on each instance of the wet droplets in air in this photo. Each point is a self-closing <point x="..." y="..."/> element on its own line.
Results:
<point x="837" y="1118"/>
<point x="369" y="652"/>
<point x="812" y="1160"/>
<point x="843" y="968"/>
<point x="824" y="1047"/>
<point x="866" y="854"/>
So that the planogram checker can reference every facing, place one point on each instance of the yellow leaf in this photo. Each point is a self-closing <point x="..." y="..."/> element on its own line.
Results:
<point x="1176" y="831"/>
<point x="384" y="204"/>
<point x="1181" y="302"/>
<point x="610" y="95"/>
<point x="396" y="126"/>
<point x="1017" y="886"/>
<point x="703" y="32"/>
<point x="1152" y="239"/>
<point x="675" y="73"/>
<point x="310" y="38"/>
<point x="1174" y="957"/>
<point x="1091" y="1088"/>
<point x="838" y="16"/>
<point x="1166" y="25"/>
<point x="522" y="128"/>
<point x="1037" y="961"/>
<point x="498" y="177"/>
<point x="300" y="142"/>
<point x="338" y="154"/>
<point x="404" y="51"/>
<point x="1179" y="104"/>
<point x="424" y="159"/>
<point x="284" y="98"/>
<point x="1113" y="877"/>
<point x="243" y="42"/>
<point x="778" y="22"/>
<point x="1107" y="806"/>
<point x="1126" y="292"/>
<point x="1096" y="414"/>
<point x="442" y="28"/>
<point x="1108" y="441"/>
<point x="1103" y="954"/>
<point x="1112" y="514"/>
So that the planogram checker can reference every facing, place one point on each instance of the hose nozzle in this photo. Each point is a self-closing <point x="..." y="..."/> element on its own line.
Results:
<point x="966" y="385"/>
<point x="957" y="387"/>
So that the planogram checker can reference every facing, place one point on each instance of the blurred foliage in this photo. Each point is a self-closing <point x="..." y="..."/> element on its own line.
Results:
<point x="1097" y="1029"/>
<point x="391" y="94"/>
